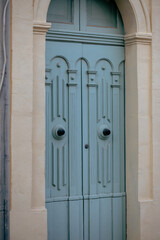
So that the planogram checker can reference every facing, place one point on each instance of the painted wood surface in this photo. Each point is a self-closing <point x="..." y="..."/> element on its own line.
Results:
<point x="85" y="187"/>
<point x="85" y="162"/>
<point x="85" y="15"/>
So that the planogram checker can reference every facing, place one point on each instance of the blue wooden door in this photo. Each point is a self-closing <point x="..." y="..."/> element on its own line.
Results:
<point x="103" y="130"/>
<point x="64" y="196"/>
<point x="85" y="188"/>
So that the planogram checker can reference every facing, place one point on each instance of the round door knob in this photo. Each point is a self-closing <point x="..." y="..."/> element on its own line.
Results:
<point x="106" y="132"/>
<point x="60" y="132"/>
<point x="103" y="132"/>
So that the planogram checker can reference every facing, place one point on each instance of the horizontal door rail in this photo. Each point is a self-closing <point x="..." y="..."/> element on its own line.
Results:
<point x="86" y="197"/>
<point x="107" y="39"/>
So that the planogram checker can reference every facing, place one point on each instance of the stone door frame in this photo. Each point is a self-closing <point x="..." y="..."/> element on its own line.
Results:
<point x="27" y="189"/>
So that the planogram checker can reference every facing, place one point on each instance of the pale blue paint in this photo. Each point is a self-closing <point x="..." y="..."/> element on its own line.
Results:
<point x="85" y="15"/>
<point x="85" y="187"/>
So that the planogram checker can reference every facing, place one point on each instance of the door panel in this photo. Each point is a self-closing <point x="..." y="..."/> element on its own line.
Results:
<point x="99" y="95"/>
<point x="85" y="15"/>
<point x="64" y="14"/>
<point x="85" y="186"/>
<point x="63" y="153"/>
<point x="98" y="219"/>
<point x="102" y="177"/>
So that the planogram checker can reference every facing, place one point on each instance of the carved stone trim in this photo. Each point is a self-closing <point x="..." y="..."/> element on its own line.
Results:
<point x="41" y="28"/>
<point x="138" y="38"/>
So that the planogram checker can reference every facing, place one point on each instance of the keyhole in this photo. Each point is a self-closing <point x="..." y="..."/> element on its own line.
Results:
<point x="86" y="146"/>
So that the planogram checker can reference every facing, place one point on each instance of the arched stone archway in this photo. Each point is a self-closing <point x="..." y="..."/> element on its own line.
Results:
<point x="134" y="13"/>
<point x="137" y="27"/>
<point x="138" y="121"/>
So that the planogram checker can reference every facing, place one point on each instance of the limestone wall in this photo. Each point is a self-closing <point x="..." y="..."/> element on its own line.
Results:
<point x="27" y="211"/>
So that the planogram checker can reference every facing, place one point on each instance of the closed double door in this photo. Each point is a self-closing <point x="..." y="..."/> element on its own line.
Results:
<point x="85" y="180"/>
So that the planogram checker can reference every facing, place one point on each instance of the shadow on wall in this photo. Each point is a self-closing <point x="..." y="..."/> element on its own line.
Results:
<point x="4" y="117"/>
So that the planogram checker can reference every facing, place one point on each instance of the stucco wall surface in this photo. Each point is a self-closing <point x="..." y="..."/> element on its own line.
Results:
<point x="28" y="219"/>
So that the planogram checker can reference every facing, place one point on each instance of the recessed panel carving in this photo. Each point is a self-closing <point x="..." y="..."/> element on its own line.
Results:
<point x="84" y="141"/>
<point x="60" y="11"/>
<point x="101" y="13"/>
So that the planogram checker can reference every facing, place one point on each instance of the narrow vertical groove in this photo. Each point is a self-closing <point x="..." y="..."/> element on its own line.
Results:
<point x="64" y="99"/>
<point x="106" y="91"/>
<point x="99" y="163"/>
<point x="69" y="220"/>
<point x="53" y="166"/>
<point x="89" y="163"/>
<point x="52" y="102"/>
<point x="97" y="107"/>
<point x="58" y="170"/>
<point x="82" y="76"/>
<point x="58" y="99"/>
<point x="68" y="157"/>
<point x="72" y="140"/>
<point x="104" y="167"/>
<point x="92" y="140"/>
<point x="103" y="99"/>
<point x="108" y="163"/>
<point x="89" y="216"/>
<point x="99" y="210"/>
<point x="64" y="166"/>
<point x="108" y="102"/>
<point x="116" y="141"/>
<point x="99" y="101"/>
<point x="47" y="133"/>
